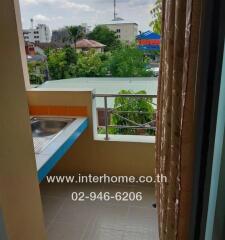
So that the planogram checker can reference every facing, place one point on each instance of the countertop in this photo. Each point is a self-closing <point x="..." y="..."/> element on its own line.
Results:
<point x="55" y="150"/>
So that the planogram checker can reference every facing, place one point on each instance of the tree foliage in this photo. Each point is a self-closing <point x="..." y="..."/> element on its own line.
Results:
<point x="128" y="61"/>
<point x="105" y="36"/>
<point x="62" y="63"/>
<point x="66" y="63"/>
<point x="137" y="110"/>
<point x="76" y="33"/>
<point x="37" y="72"/>
<point x="91" y="64"/>
<point x="157" y="15"/>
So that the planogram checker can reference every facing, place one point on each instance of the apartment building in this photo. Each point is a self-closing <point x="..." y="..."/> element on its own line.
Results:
<point x="125" y="31"/>
<point x="86" y="27"/>
<point x="39" y="34"/>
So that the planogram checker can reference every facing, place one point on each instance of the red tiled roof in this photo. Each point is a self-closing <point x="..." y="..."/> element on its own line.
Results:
<point x="86" y="43"/>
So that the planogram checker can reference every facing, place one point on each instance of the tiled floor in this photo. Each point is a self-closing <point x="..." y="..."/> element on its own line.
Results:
<point x="68" y="220"/>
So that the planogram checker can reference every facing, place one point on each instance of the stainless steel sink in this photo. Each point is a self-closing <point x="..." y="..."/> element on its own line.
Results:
<point x="45" y="129"/>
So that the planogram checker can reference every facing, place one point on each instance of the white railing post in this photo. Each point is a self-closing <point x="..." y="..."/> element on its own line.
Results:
<point x="106" y="119"/>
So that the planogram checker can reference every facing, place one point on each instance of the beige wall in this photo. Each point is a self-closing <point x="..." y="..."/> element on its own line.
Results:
<point x="20" y="201"/>
<point x="98" y="50"/>
<point x="112" y="158"/>
<point x="128" y="31"/>
<point x="88" y="155"/>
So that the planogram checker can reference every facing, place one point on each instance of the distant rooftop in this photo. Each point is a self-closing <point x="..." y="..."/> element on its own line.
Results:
<point x="118" y="19"/>
<point x="86" y="43"/>
<point x="39" y="25"/>
<point x="53" y="45"/>
<point x="36" y="58"/>
<point x="107" y="85"/>
<point x="115" y="22"/>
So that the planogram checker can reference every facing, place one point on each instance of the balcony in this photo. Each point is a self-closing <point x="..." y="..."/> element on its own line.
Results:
<point x="93" y="153"/>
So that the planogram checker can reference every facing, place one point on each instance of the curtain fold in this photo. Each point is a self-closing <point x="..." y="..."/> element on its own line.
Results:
<point x="175" y="115"/>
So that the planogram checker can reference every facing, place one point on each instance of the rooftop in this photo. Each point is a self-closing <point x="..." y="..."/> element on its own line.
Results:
<point x="107" y="85"/>
<point x="113" y="22"/>
<point x="86" y="43"/>
<point x="50" y="45"/>
<point x="36" y="58"/>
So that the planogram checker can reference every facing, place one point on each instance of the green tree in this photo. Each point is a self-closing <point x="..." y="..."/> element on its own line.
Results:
<point x="90" y="64"/>
<point x="70" y="55"/>
<point x="76" y="33"/>
<point x="128" y="61"/>
<point x="62" y="63"/>
<point x="105" y="36"/>
<point x="157" y="15"/>
<point x="137" y="110"/>
<point x="37" y="72"/>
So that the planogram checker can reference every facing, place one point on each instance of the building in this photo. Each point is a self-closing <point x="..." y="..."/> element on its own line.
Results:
<point x="32" y="49"/>
<point x="39" y="34"/>
<point x="38" y="68"/>
<point x="60" y="36"/>
<point x="85" y="45"/>
<point x="125" y="31"/>
<point x="87" y="28"/>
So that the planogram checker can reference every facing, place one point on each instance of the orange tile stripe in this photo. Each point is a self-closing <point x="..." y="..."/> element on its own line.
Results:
<point x="58" y="110"/>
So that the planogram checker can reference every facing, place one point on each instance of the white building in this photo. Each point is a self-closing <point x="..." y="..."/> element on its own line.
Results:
<point x="125" y="31"/>
<point x="40" y="34"/>
<point x="86" y="27"/>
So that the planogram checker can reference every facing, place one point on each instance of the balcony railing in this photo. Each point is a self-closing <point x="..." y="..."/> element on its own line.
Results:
<point x="131" y="124"/>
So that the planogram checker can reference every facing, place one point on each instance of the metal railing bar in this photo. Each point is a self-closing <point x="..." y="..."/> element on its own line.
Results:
<point x="124" y="126"/>
<point x="114" y="109"/>
<point x="149" y="123"/>
<point x="138" y="124"/>
<point x="125" y="95"/>
<point x="131" y="112"/>
<point x="116" y="112"/>
<point x="106" y="119"/>
<point x="126" y="119"/>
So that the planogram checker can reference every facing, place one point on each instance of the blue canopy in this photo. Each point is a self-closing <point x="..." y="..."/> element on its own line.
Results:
<point x="149" y="47"/>
<point x="148" y="41"/>
<point x="148" y="35"/>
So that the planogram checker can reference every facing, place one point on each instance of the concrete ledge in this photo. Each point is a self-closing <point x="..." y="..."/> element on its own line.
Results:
<point x="42" y="89"/>
<point x="126" y="138"/>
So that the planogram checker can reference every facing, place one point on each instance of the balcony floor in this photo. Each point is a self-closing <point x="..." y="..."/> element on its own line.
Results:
<point x="68" y="220"/>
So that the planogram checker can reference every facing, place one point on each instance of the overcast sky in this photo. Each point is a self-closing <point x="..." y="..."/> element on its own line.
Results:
<point x="59" y="13"/>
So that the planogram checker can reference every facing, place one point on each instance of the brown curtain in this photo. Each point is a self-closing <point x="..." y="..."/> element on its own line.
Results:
<point x="175" y="115"/>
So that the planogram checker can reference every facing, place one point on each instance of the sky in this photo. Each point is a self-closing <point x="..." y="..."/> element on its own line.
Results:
<point x="60" y="13"/>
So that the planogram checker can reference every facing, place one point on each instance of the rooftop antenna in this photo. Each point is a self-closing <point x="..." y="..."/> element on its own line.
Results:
<point x="115" y="14"/>
<point x="32" y="23"/>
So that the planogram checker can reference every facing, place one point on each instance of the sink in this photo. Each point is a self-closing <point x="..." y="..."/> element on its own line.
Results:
<point x="45" y="129"/>
<point x="42" y="127"/>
